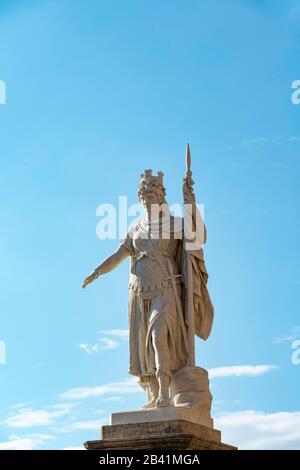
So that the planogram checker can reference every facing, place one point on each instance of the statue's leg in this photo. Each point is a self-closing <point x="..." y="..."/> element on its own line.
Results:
<point x="164" y="379"/>
<point x="162" y="362"/>
<point x="153" y="391"/>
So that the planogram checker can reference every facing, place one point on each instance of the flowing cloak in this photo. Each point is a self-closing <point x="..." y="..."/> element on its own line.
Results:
<point x="203" y="307"/>
<point x="194" y="228"/>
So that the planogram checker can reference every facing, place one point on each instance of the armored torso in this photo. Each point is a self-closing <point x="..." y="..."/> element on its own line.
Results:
<point x="153" y="256"/>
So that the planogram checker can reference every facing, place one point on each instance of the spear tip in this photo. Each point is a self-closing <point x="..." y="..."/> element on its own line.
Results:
<point x="188" y="160"/>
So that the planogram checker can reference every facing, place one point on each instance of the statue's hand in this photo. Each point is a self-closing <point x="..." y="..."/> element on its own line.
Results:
<point x="89" y="279"/>
<point x="188" y="193"/>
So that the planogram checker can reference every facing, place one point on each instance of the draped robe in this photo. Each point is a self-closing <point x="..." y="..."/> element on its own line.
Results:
<point x="158" y="268"/>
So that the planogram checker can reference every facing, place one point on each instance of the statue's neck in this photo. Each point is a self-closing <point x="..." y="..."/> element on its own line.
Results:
<point x="152" y="216"/>
<point x="155" y="214"/>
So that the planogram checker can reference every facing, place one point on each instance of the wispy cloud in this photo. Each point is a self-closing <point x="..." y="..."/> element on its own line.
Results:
<point x="116" y="398"/>
<point x="122" y="387"/>
<point x="90" y="425"/>
<point x="251" y="429"/>
<point x="131" y="385"/>
<point x="23" y="405"/>
<point x="294" y="334"/>
<point x="80" y="425"/>
<point x="122" y="334"/>
<point x="247" y="143"/>
<point x="30" y="442"/>
<point x="105" y="343"/>
<point x="239" y="371"/>
<point x="263" y="141"/>
<point x="88" y="348"/>
<point x="27" y="418"/>
<point x="101" y="345"/>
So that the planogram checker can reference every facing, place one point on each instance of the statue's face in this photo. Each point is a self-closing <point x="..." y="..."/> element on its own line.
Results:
<point x="148" y="198"/>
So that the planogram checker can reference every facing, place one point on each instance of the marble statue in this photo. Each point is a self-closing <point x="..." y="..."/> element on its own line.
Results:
<point x="168" y="298"/>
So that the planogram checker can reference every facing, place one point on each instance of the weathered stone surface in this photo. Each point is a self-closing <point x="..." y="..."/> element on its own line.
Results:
<point x="190" y="388"/>
<point x="193" y="415"/>
<point x="159" y="429"/>
<point x="159" y="435"/>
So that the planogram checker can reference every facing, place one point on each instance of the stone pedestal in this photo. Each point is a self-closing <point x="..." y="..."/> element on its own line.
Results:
<point x="168" y="414"/>
<point x="169" y="428"/>
<point x="186" y="425"/>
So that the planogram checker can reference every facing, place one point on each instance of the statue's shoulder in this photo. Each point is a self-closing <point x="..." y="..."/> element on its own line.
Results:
<point x="133" y="228"/>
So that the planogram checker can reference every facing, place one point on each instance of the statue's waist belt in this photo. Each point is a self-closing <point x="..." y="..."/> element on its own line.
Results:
<point x="166" y="278"/>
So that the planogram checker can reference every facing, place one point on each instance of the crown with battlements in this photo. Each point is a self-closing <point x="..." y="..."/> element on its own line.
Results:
<point x="151" y="179"/>
<point x="148" y="181"/>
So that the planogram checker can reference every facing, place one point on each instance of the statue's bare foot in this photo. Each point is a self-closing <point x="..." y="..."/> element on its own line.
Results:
<point x="162" y="401"/>
<point x="150" y="404"/>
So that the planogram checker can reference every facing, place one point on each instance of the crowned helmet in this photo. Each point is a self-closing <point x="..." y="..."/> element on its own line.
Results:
<point x="150" y="182"/>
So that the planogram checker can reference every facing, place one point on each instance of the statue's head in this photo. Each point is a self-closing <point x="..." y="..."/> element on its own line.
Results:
<point x="151" y="189"/>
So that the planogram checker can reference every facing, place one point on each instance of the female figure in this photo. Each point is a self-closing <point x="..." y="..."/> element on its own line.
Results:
<point x="158" y="326"/>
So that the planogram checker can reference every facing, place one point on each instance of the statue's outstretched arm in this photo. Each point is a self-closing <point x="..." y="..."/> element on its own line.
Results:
<point x="108" y="265"/>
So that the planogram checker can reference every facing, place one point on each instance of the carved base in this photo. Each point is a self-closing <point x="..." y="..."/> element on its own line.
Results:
<point x="185" y="426"/>
<point x="168" y="414"/>
<point x="162" y="434"/>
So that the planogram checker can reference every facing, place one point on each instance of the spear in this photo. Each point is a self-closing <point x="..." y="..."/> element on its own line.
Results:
<point x="190" y="299"/>
<point x="188" y="161"/>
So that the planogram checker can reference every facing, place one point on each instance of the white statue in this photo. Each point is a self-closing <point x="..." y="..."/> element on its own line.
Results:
<point x="168" y="299"/>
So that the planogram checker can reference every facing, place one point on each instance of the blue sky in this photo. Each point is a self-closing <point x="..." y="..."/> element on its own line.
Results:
<point x="97" y="92"/>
